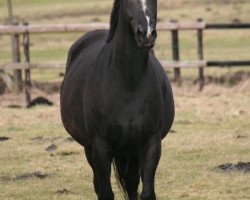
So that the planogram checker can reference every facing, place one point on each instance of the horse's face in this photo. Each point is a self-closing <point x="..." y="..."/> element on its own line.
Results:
<point x="142" y="15"/>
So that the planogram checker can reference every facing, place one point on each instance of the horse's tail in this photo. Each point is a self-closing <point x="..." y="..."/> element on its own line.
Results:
<point x="119" y="164"/>
<point x="127" y="175"/>
<point x="123" y="173"/>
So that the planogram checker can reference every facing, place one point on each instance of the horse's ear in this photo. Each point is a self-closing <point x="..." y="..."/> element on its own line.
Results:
<point x="114" y="19"/>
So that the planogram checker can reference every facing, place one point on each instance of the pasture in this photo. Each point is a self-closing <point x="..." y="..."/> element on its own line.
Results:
<point x="211" y="127"/>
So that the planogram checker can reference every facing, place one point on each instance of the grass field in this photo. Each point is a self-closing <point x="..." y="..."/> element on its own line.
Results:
<point x="211" y="127"/>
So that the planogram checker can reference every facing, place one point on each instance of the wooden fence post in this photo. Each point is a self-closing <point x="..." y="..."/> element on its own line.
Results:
<point x="15" y="50"/>
<point x="26" y="51"/>
<point x="200" y="56"/>
<point x="17" y="59"/>
<point x="175" y="53"/>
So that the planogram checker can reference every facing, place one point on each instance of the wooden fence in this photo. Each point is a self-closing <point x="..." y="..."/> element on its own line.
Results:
<point x="173" y="26"/>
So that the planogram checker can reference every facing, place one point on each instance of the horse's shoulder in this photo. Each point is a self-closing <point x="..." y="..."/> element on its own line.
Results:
<point x="83" y="43"/>
<point x="157" y="66"/>
<point x="160" y="73"/>
<point x="167" y="93"/>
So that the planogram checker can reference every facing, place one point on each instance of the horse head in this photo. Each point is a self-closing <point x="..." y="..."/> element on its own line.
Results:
<point x="142" y="15"/>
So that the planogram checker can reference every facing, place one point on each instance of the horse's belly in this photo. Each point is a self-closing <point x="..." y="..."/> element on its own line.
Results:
<point x="71" y="110"/>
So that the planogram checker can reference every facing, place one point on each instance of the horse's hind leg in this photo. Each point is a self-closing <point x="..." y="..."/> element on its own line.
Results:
<point x="149" y="160"/>
<point x="128" y="169"/>
<point x="102" y="159"/>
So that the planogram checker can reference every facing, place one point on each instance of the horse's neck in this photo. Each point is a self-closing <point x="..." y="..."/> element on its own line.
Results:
<point x="131" y="61"/>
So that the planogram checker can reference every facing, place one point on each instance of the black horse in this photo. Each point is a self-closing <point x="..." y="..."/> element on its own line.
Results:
<point x="117" y="101"/>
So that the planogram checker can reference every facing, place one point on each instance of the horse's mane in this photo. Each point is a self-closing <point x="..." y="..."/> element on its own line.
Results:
<point x="114" y="19"/>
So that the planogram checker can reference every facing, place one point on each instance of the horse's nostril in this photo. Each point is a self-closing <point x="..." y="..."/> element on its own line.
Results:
<point x="140" y="30"/>
<point x="154" y="33"/>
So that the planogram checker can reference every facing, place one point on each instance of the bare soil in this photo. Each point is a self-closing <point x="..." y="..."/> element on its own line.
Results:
<point x="240" y="166"/>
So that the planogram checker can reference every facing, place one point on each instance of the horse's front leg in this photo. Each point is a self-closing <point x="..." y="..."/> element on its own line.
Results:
<point x="149" y="160"/>
<point x="102" y="159"/>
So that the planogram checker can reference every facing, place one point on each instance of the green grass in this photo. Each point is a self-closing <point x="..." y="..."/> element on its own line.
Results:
<point x="219" y="45"/>
<point x="49" y="11"/>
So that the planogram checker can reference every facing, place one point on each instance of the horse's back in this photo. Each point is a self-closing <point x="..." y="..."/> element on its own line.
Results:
<point x="89" y="45"/>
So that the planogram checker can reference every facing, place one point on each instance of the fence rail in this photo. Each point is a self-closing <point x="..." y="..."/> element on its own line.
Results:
<point x="166" y="64"/>
<point x="173" y="26"/>
<point x="167" y="26"/>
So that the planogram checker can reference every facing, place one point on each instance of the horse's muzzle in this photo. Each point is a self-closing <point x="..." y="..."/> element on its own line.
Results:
<point x="145" y="39"/>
